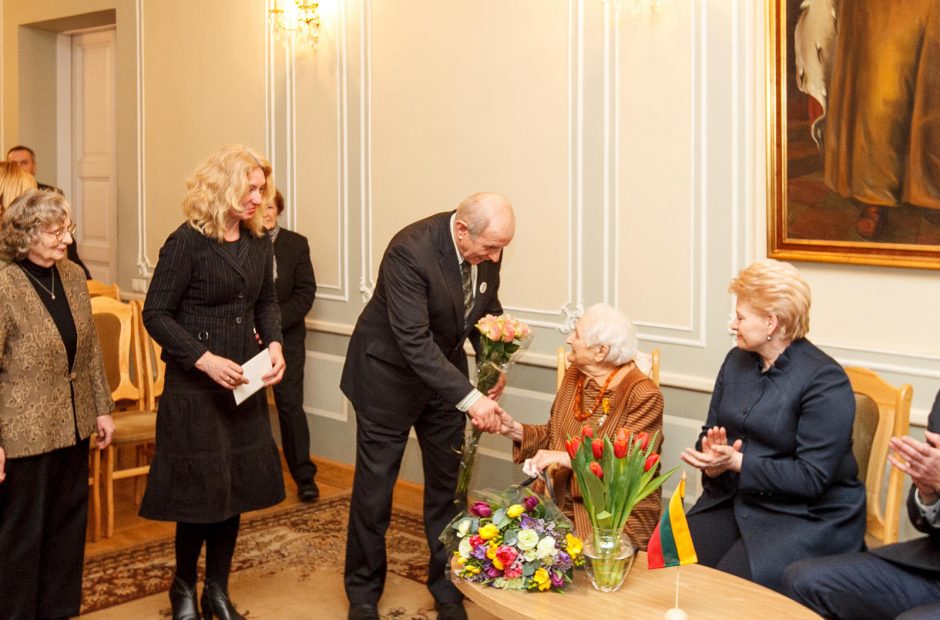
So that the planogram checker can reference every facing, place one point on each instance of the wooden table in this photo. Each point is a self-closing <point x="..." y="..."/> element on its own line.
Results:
<point x="704" y="593"/>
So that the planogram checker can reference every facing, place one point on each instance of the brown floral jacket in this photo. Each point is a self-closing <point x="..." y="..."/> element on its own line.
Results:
<point x="35" y="400"/>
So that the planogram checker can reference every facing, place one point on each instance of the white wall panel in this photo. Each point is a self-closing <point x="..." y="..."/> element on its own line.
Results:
<point x="468" y="97"/>
<point x="659" y="208"/>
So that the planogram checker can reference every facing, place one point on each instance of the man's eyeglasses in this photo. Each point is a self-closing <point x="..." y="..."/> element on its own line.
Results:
<point x="58" y="234"/>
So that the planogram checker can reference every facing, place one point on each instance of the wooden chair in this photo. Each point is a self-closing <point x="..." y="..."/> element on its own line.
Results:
<point x="96" y="288"/>
<point x="652" y="357"/>
<point x="154" y="367"/>
<point x="881" y="412"/>
<point x="119" y="331"/>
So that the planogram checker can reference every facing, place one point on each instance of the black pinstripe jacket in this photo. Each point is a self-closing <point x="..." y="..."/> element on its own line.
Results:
<point x="407" y="346"/>
<point x="205" y="298"/>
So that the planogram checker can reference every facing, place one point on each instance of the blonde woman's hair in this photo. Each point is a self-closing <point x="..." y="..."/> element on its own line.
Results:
<point x="776" y="288"/>
<point x="14" y="181"/>
<point x="219" y="184"/>
<point x="24" y="220"/>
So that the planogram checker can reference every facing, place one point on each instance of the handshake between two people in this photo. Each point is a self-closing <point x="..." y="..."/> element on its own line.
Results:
<point x="485" y="414"/>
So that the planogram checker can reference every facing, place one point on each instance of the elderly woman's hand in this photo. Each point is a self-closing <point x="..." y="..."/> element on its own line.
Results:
<point x="544" y="459"/>
<point x="105" y="426"/>
<point x="716" y="456"/>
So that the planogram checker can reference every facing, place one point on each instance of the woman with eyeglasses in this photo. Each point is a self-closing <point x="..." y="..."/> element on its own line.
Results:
<point x="54" y="395"/>
<point x="14" y="181"/>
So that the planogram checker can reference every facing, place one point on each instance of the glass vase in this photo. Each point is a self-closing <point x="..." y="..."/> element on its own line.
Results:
<point x="609" y="556"/>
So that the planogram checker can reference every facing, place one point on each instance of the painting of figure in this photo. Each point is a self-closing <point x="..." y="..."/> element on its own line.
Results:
<point x="855" y="112"/>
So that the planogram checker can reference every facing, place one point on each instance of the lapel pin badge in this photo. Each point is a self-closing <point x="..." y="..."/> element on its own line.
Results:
<point x="482" y="287"/>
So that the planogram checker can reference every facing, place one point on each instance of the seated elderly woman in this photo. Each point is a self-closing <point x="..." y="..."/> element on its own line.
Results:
<point x="603" y="388"/>
<point x="779" y="477"/>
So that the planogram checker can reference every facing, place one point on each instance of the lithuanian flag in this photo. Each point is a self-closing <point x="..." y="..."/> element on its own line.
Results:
<point x="671" y="544"/>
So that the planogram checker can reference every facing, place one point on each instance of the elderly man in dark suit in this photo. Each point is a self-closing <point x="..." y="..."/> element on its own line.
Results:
<point x="895" y="581"/>
<point x="296" y="287"/>
<point x="406" y="368"/>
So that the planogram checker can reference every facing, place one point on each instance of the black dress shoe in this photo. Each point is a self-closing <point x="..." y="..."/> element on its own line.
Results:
<point x="309" y="492"/>
<point x="363" y="611"/>
<point x="183" y="601"/>
<point x="450" y="611"/>
<point x="216" y="604"/>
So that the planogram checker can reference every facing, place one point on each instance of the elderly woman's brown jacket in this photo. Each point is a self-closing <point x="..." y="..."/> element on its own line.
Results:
<point x="35" y="399"/>
<point x="635" y="404"/>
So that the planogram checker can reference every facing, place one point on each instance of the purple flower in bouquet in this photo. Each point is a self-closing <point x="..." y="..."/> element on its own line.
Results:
<point x="503" y="339"/>
<point x="510" y="548"/>
<point x="481" y="509"/>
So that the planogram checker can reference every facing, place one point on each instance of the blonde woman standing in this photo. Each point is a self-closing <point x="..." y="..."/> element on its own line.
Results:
<point x="212" y="289"/>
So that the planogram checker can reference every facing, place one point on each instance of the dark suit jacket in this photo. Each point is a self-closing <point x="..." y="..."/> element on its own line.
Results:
<point x="797" y="495"/>
<point x="408" y="343"/>
<point x="202" y="298"/>
<point x="295" y="282"/>
<point x="924" y="552"/>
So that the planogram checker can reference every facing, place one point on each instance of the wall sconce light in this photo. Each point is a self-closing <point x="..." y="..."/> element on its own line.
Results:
<point x="297" y="19"/>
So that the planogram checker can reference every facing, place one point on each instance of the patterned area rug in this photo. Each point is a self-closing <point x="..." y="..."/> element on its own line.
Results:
<point x="298" y="551"/>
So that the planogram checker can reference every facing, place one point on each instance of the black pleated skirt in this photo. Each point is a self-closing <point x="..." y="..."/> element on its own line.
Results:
<point x="213" y="459"/>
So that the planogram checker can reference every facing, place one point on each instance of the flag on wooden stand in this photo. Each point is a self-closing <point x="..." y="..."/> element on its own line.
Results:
<point x="671" y="544"/>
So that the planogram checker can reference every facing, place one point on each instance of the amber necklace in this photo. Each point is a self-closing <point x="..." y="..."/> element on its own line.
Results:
<point x="579" y="413"/>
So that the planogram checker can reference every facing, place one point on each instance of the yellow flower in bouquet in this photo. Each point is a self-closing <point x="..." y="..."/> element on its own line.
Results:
<point x="513" y="540"/>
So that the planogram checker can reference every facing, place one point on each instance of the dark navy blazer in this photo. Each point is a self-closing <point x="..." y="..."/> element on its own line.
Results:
<point x="797" y="495"/>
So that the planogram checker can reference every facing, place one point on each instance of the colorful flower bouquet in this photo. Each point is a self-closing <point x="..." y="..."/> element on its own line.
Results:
<point x="614" y="476"/>
<point x="514" y="540"/>
<point x="503" y="339"/>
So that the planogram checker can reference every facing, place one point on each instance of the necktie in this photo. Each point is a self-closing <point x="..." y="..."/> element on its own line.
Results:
<point x="467" y="280"/>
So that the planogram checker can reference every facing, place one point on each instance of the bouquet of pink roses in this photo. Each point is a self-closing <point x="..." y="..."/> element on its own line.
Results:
<point x="503" y="339"/>
<point x="513" y="540"/>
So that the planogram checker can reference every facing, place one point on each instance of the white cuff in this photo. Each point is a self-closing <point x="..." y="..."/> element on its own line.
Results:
<point x="930" y="513"/>
<point x="469" y="400"/>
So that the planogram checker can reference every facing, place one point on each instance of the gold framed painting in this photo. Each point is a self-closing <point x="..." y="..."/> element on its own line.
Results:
<point x="853" y="92"/>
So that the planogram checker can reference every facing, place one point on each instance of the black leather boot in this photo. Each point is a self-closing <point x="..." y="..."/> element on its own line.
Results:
<point x="183" y="600"/>
<point x="216" y="604"/>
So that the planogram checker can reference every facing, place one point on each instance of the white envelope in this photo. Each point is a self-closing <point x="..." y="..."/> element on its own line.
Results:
<point x="253" y="370"/>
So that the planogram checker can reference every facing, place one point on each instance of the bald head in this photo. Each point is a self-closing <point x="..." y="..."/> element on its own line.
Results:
<point x="484" y="225"/>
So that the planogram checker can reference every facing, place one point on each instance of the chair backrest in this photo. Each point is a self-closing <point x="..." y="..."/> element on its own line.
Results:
<point x="117" y="326"/>
<point x="96" y="288"/>
<point x="154" y="367"/>
<point x="647" y="362"/>
<point x="881" y="412"/>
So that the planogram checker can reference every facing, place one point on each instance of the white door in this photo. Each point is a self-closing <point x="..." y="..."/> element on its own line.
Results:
<point x="94" y="170"/>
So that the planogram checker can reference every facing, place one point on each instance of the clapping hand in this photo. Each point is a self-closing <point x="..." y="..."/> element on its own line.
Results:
<point x="716" y="456"/>
<point x="920" y="461"/>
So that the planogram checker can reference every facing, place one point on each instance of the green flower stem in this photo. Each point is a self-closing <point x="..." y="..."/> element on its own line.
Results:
<point x="487" y="377"/>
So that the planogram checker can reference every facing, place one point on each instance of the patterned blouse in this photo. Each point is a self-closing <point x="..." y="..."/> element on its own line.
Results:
<point x="635" y="403"/>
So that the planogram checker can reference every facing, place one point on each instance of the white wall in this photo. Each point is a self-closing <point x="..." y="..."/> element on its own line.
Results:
<point x="632" y="143"/>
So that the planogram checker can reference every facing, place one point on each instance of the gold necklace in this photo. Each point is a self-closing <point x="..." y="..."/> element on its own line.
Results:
<point x="36" y="280"/>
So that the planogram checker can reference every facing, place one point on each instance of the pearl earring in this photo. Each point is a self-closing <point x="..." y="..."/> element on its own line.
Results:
<point x="769" y="336"/>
